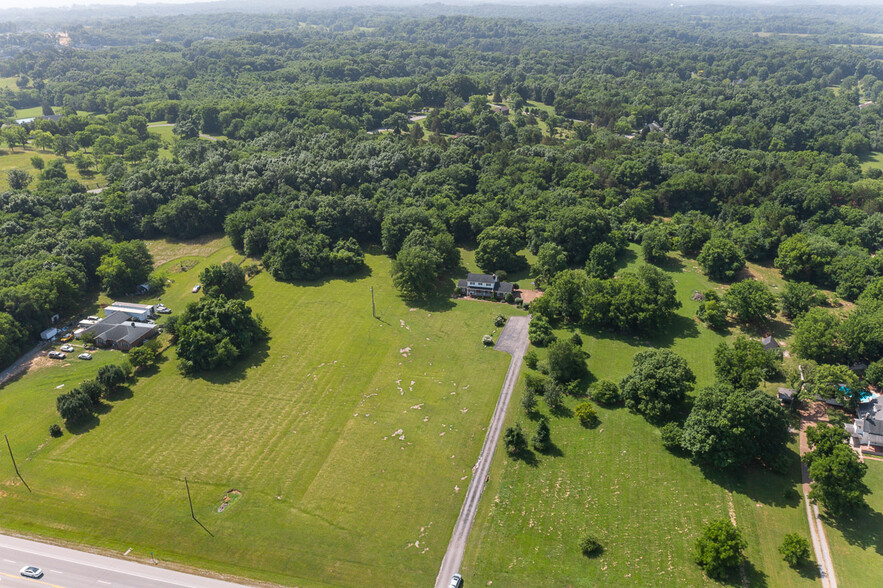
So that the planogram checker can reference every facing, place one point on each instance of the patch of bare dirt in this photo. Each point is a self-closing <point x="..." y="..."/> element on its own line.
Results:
<point x="528" y="296"/>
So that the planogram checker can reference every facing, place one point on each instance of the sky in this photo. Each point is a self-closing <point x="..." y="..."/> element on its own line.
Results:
<point x="69" y="3"/>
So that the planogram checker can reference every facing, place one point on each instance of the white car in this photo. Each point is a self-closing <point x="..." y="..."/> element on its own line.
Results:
<point x="196" y="288"/>
<point x="456" y="581"/>
<point x="85" y="356"/>
<point x="67" y="348"/>
<point x="164" y="310"/>
<point x="31" y="572"/>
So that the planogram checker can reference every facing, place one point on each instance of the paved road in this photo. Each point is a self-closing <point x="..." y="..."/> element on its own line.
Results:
<point x="513" y="340"/>
<point x="67" y="568"/>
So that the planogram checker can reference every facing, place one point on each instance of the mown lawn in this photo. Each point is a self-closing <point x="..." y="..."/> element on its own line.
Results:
<point x="857" y="542"/>
<point x="351" y="439"/>
<point x="616" y="481"/>
<point x="873" y="160"/>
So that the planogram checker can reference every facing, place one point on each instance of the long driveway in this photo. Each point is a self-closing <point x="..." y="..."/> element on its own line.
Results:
<point x="68" y="568"/>
<point x="20" y="364"/>
<point x="513" y="340"/>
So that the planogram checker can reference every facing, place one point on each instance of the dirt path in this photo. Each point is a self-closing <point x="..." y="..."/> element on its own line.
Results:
<point x="513" y="340"/>
<point x="20" y="364"/>
<point x="809" y="416"/>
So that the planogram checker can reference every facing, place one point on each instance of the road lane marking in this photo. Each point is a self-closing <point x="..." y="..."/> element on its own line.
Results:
<point x="9" y="560"/>
<point x="103" y="582"/>
<point x="31" y="580"/>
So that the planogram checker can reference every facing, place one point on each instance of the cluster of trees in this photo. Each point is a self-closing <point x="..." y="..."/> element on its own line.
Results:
<point x="837" y="473"/>
<point x="214" y="332"/>
<point x="643" y="301"/>
<point x="78" y="405"/>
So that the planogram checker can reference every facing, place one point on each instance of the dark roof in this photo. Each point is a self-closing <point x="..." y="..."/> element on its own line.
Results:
<point x="770" y="342"/>
<point x="480" y="277"/>
<point x="462" y="284"/>
<point x="120" y="327"/>
<point x="504" y="287"/>
<point x="873" y="426"/>
<point x="786" y="393"/>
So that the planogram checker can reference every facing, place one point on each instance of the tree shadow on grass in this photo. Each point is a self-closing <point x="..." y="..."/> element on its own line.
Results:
<point x="809" y="570"/>
<point x="238" y="370"/>
<point x="120" y="393"/>
<point x="760" y="485"/>
<point x="83" y="426"/>
<point x="527" y="456"/>
<point x="862" y="528"/>
<point x="757" y="578"/>
<point x="625" y="258"/>
<point x="364" y="272"/>
<point x="561" y="411"/>
<point x="551" y="450"/>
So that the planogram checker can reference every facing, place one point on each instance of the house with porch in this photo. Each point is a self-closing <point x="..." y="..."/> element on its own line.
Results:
<point x="484" y="286"/>
<point x="119" y="331"/>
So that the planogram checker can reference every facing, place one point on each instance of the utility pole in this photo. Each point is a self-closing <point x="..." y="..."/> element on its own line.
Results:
<point x="17" y="473"/>
<point x="373" y="308"/>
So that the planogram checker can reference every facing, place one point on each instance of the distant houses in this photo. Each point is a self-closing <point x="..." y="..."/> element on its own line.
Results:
<point x="500" y="109"/>
<point x="484" y="286"/>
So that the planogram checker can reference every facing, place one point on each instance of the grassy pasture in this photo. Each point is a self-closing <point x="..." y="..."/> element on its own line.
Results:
<point x="19" y="159"/>
<point x="857" y="544"/>
<point x="646" y="505"/>
<point x="351" y="439"/>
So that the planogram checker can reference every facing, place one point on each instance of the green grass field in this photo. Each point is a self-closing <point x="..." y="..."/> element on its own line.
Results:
<point x="873" y="160"/>
<point x="646" y="505"/>
<point x="28" y="112"/>
<point x="857" y="544"/>
<point x="351" y="439"/>
<point x="19" y="159"/>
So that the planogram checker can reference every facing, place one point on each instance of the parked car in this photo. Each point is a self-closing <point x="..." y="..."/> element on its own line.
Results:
<point x="89" y="347"/>
<point x="32" y="572"/>
<point x="456" y="581"/>
<point x="196" y="288"/>
<point x="67" y="348"/>
<point x="68" y="337"/>
<point x="92" y="318"/>
<point x="85" y="356"/>
<point x="56" y="355"/>
<point x="164" y="310"/>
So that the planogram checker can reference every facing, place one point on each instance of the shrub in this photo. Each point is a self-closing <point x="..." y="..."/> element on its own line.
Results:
<point x="719" y="548"/>
<point x="590" y="546"/>
<point x="566" y="362"/>
<point x="531" y="359"/>
<point x="499" y="320"/>
<point x="554" y="395"/>
<point x="542" y="440"/>
<point x="540" y="332"/>
<point x="513" y="439"/>
<point x="75" y="406"/>
<point x="518" y="301"/>
<point x="576" y="340"/>
<point x="535" y="383"/>
<point x="586" y="414"/>
<point x="487" y="340"/>
<point x="529" y="401"/>
<point x="672" y="435"/>
<point x="55" y="430"/>
<point x="605" y="392"/>
<point x="794" y="549"/>
<point x="510" y="298"/>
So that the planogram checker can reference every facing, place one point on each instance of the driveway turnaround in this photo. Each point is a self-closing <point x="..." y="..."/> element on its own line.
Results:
<point x="68" y="568"/>
<point x="513" y="340"/>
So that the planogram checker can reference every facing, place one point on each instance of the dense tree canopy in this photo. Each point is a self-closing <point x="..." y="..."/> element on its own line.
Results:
<point x="658" y="383"/>
<point x="214" y="332"/>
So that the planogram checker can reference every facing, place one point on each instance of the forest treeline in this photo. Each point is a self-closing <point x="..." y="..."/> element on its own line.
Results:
<point x="669" y="132"/>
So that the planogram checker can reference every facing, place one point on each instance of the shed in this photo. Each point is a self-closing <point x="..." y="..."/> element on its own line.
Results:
<point x="770" y="343"/>
<point x="786" y="395"/>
